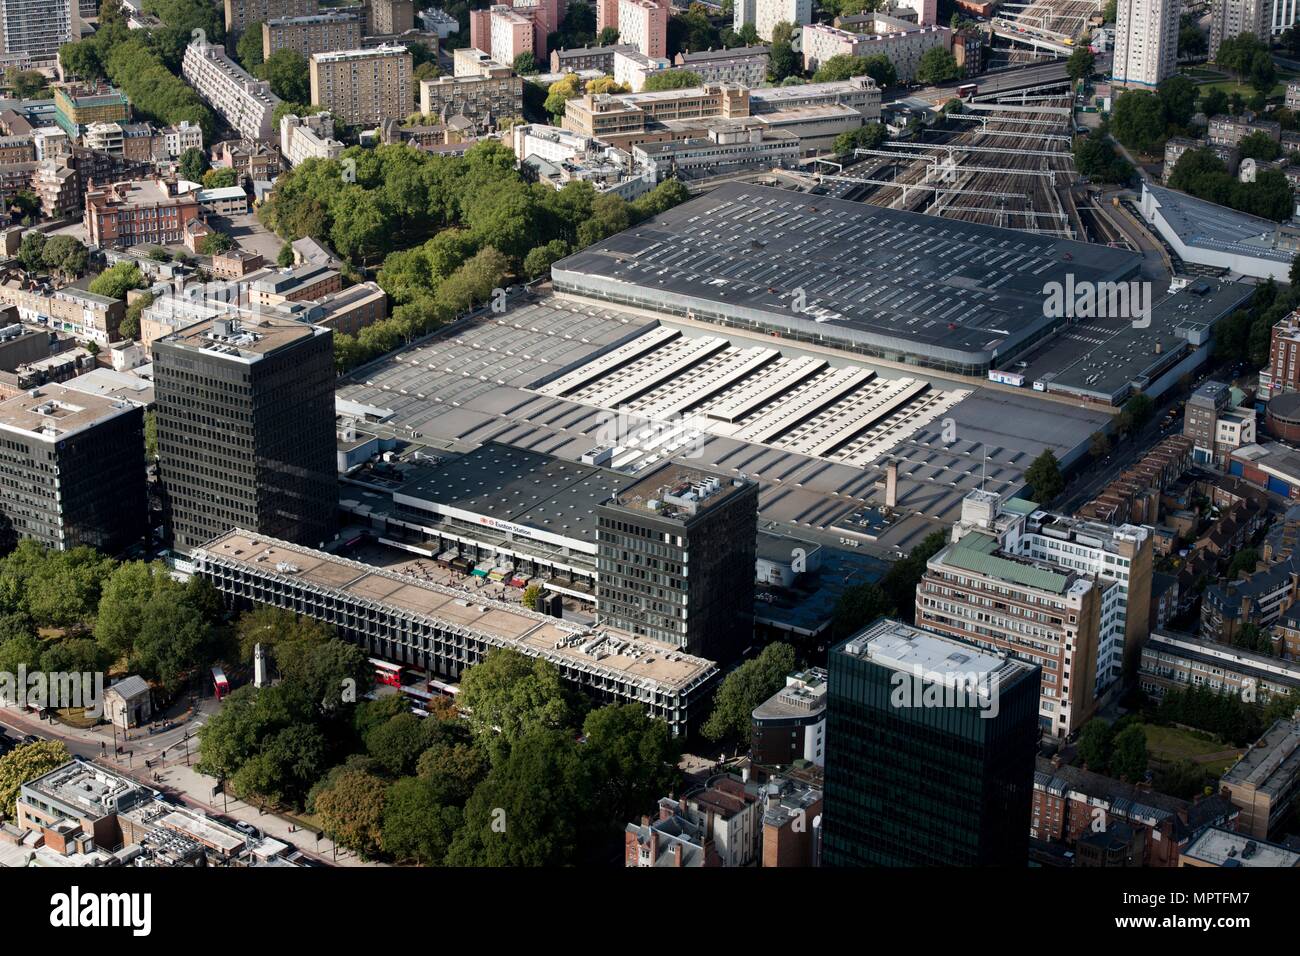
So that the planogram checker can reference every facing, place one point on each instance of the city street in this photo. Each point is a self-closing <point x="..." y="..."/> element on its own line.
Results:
<point x="174" y="775"/>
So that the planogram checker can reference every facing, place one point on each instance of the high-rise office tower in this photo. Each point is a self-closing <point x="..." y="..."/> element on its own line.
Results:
<point x="74" y="469"/>
<point x="676" y="560"/>
<point x="930" y="748"/>
<point x="1146" y="42"/>
<point x="245" y="411"/>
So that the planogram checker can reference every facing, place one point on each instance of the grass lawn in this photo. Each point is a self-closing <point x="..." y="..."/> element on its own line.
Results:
<point x="1169" y="744"/>
<point x="76" y="717"/>
<point x="1207" y="80"/>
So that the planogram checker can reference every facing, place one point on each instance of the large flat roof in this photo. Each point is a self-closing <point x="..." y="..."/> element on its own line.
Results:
<point x="53" y="413"/>
<point x="1106" y="359"/>
<point x="1210" y="226"/>
<point x="501" y="623"/>
<point x="922" y="288"/>
<point x="910" y="650"/>
<point x="247" y="338"/>
<point x="523" y="487"/>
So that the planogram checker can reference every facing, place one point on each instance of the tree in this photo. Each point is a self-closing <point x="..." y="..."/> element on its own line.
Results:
<point x="352" y="811"/>
<point x="25" y="84"/>
<point x="870" y="136"/>
<point x="1263" y="74"/>
<point x="1080" y="64"/>
<point x="1214" y="103"/>
<point x="220" y="177"/>
<point x="193" y="164"/>
<point x="539" y="260"/>
<point x="215" y="242"/>
<point x="530" y="809"/>
<point x="525" y="64"/>
<point x="937" y="65"/>
<point x="287" y="636"/>
<point x="900" y="581"/>
<point x="509" y="694"/>
<point x="129" y="327"/>
<point x="631" y="759"/>
<point x="1099" y="445"/>
<point x="416" y="825"/>
<point x="1096" y="741"/>
<point x="285" y="259"/>
<point x="1295" y="270"/>
<point x="1128" y="760"/>
<point x="1191" y="41"/>
<point x="25" y="206"/>
<point x="1044" y="477"/>
<point x="857" y="607"/>
<point x="671" y="80"/>
<point x="31" y="251"/>
<point x="608" y="37"/>
<point x="81" y="60"/>
<point x="1138" y="119"/>
<point x="560" y="92"/>
<point x="1244" y="560"/>
<point x="249" y="48"/>
<point x="782" y="61"/>
<point x="288" y="73"/>
<point x="532" y="592"/>
<point x="25" y="763"/>
<point x="151" y="435"/>
<point x="744" y="689"/>
<point x="397" y="744"/>
<point x="1178" y="96"/>
<point x="1096" y="158"/>
<point x="454" y="768"/>
<point x="117" y="280"/>
<point x="55" y="588"/>
<point x="1140" y="409"/>
<point x="65" y="255"/>
<point x="1259" y="146"/>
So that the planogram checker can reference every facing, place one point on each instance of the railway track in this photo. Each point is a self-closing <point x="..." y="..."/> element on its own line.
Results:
<point x="998" y="177"/>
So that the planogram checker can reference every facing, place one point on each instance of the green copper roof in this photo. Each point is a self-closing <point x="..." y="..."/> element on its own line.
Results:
<point x="1020" y="506"/>
<point x="976" y="552"/>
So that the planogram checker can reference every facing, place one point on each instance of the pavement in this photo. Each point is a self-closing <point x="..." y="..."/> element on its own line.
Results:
<point x="170" y="753"/>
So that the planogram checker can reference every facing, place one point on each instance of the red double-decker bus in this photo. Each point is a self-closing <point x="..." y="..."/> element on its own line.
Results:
<point x="386" y="673"/>
<point x="220" y="686"/>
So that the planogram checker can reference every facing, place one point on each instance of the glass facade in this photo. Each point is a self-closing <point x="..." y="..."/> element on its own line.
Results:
<point x="925" y="785"/>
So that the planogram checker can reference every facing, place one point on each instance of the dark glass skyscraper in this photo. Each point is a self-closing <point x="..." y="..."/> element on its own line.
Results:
<point x="930" y="747"/>
<point x="246" y="439"/>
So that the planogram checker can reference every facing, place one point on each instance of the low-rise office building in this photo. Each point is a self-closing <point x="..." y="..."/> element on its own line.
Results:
<point x="411" y="621"/>
<point x="1265" y="782"/>
<point x="791" y="724"/>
